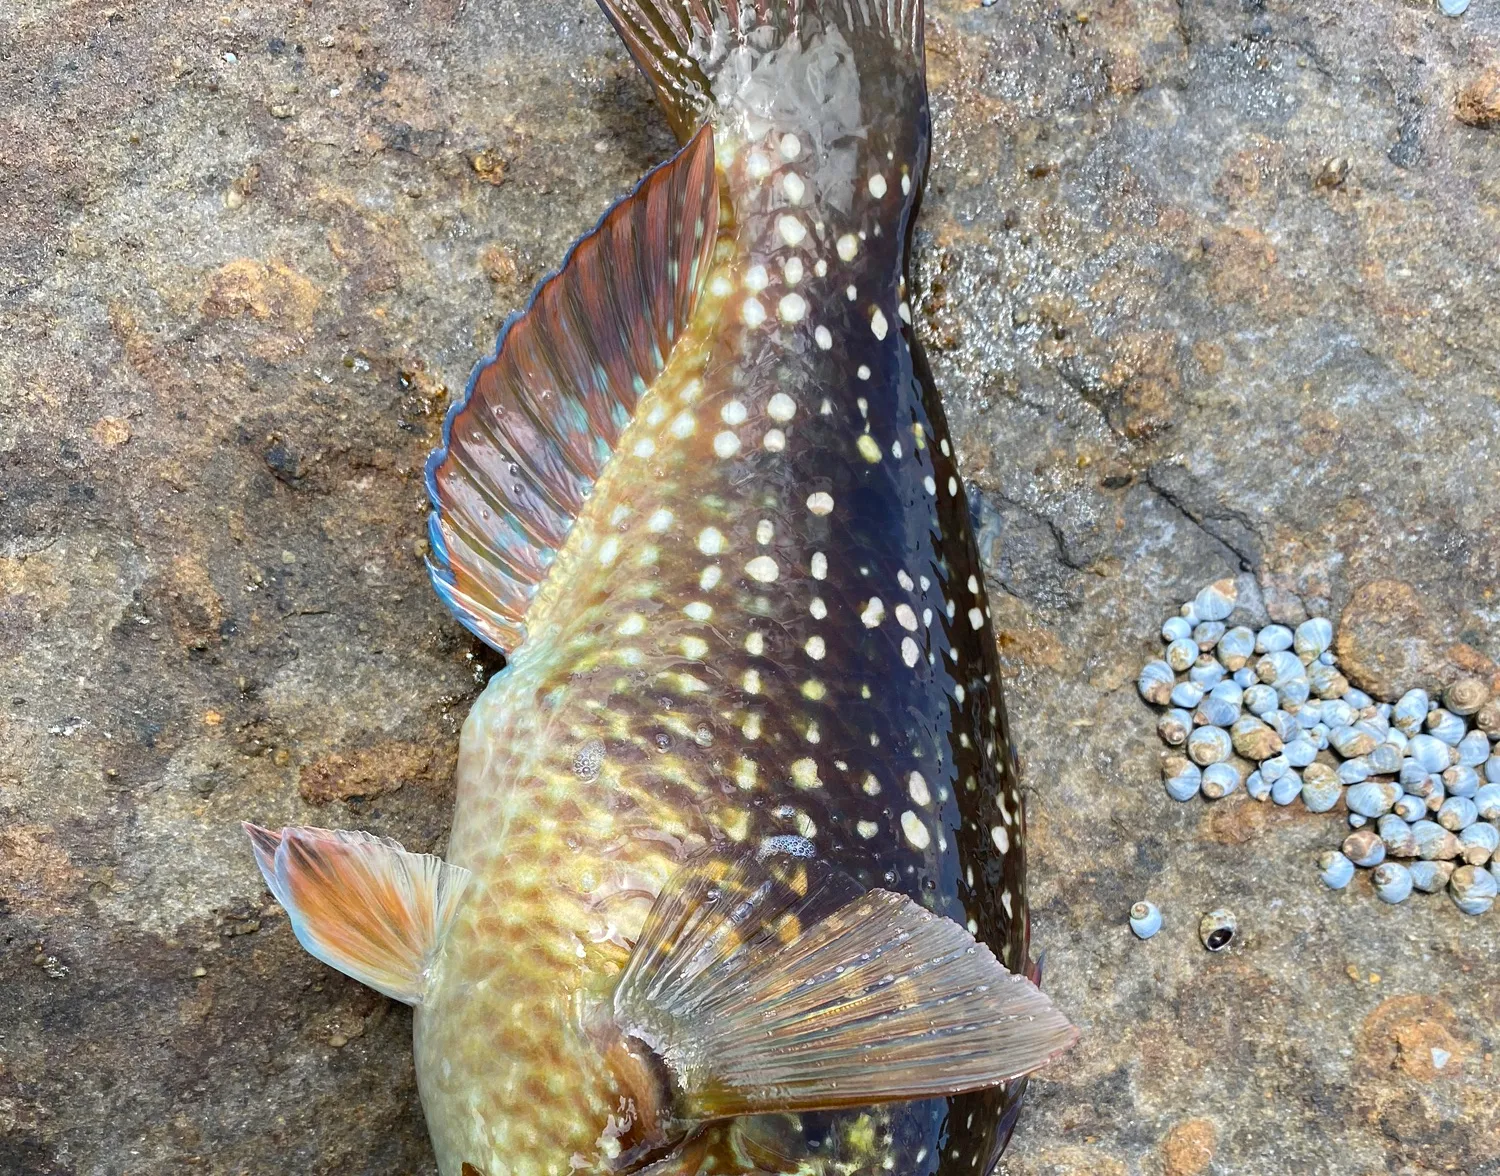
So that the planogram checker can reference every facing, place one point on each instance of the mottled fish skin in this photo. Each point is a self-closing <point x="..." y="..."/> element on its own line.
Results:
<point x="767" y="626"/>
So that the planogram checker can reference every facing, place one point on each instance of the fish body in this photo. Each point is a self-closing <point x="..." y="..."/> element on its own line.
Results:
<point x="705" y="499"/>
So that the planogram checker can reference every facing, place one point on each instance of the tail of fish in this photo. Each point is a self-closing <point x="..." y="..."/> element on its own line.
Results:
<point x="827" y="66"/>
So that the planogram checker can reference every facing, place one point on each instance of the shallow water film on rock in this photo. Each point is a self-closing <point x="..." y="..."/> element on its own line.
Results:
<point x="1208" y="291"/>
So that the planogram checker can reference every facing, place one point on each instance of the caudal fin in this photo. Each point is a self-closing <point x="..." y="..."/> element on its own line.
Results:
<point x="704" y="56"/>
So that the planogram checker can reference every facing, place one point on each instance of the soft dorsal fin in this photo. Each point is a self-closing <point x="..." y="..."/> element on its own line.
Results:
<point x="779" y="986"/>
<point x="362" y="904"/>
<point x="540" y="418"/>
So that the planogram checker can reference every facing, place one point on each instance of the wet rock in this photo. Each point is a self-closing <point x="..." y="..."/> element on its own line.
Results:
<point x="1387" y="643"/>
<point x="1478" y="103"/>
<point x="1189" y="1148"/>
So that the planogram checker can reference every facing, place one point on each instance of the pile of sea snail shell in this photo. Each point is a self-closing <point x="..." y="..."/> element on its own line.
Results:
<point x="1269" y="710"/>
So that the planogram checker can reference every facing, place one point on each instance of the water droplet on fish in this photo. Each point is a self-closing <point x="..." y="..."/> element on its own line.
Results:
<point x="588" y="759"/>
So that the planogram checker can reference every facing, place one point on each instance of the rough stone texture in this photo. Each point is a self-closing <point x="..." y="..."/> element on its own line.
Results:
<point x="1211" y="288"/>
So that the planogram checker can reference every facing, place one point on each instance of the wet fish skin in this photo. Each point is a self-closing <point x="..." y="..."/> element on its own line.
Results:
<point x="753" y="623"/>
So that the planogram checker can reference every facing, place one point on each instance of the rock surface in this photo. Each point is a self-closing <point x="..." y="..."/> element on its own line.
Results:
<point x="1210" y="288"/>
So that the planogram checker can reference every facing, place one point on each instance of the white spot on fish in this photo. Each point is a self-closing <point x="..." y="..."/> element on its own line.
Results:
<point x="823" y="337"/>
<point x="818" y="609"/>
<point x="976" y="618"/>
<point x="781" y="407"/>
<point x="863" y="372"/>
<point x="733" y="413"/>
<point x="878" y="323"/>
<point x="710" y="541"/>
<point x="791" y="147"/>
<point x="608" y="550"/>
<point x="815" y="648"/>
<point x="752" y="313"/>
<point x="755" y="644"/>
<point x="756" y="279"/>
<point x="910" y="654"/>
<point x="792" y="230"/>
<point x="907" y="618"/>
<point x="791" y="269"/>
<point x="848" y="247"/>
<point x="916" y="784"/>
<point x="874" y="613"/>
<point x="763" y="568"/>
<point x="683" y="425"/>
<point x="820" y="503"/>
<point x="726" y="444"/>
<point x="698" y="610"/>
<point x="764" y="530"/>
<point x="645" y="447"/>
<point x="710" y="577"/>
<point x="866" y="829"/>
<point x="659" y="521"/>
<point x="1001" y="838"/>
<point x="775" y="440"/>
<point x="757" y="165"/>
<point x="877" y="186"/>
<point x="792" y="308"/>
<point x="819" y="566"/>
<point x="631" y="626"/>
<point x="695" y="647"/>
<point x="751" y="681"/>
<point x="805" y="773"/>
<point x="868" y="449"/>
<point x="915" y="831"/>
<point x="792" y="185"/>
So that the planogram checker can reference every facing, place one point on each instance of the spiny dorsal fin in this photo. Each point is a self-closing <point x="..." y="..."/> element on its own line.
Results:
<point x="362" y="904"/>
<point x="681" y="45"/>
<point x="540" y="418"/>
<point x="779" y="986"/>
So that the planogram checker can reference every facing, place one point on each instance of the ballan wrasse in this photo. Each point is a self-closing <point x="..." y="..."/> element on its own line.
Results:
<point x="736" y="879"/>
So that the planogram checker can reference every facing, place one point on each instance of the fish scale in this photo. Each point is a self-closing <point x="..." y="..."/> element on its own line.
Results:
<point x="705" y="498"/>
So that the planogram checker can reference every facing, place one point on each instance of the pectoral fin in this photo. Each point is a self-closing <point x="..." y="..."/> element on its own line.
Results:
<point x="779" y="986"/>
<point x="362" y="904"/>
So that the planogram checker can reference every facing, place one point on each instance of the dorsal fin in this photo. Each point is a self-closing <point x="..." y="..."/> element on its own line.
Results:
<point x="540" y="418"/>
<point x="360" y="903"/>
<point x="779" y="986"/>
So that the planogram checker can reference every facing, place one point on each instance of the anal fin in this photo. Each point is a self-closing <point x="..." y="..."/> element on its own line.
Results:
<point x="362" y="904"/>
<point x="773" y="986"/>
<point x="540" y="419"/>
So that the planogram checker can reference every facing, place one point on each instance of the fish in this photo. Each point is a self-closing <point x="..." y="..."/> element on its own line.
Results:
<point x="736" y="876"/>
